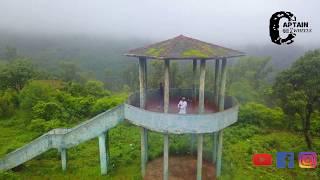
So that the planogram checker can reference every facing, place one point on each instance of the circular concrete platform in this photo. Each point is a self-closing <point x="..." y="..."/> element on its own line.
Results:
<point x="180" y="168"/>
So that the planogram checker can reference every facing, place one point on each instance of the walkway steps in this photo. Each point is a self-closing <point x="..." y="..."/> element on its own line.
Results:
<point x="64" y="138"/>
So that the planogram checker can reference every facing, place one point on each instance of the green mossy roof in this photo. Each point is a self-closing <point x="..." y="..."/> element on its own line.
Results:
<point x="183" y="47"/>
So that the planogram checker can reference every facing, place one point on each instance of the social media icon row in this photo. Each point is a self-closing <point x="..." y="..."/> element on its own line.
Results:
<point x="286" y="160"/>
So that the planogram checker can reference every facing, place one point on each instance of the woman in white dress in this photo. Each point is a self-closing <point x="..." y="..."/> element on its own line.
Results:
<point x="183" y="106"/>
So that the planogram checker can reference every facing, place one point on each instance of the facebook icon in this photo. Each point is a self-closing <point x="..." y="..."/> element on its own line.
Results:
<point x="284" y="159"/>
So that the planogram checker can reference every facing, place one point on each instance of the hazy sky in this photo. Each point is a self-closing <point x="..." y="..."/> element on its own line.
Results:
<point x="225" y="21"/>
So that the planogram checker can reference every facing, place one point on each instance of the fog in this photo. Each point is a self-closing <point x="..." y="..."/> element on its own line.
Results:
<point x="222" y="22"/>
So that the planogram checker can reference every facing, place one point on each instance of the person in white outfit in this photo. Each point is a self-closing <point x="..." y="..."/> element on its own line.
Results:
<point x="182" y="106"/>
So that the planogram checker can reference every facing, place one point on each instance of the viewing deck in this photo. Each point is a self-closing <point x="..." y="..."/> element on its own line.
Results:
<point x="154" y="119"/>
<point x="154" y="105"/>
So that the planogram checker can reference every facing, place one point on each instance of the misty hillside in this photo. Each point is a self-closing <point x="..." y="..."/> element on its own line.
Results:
<point x="97" y="54"/>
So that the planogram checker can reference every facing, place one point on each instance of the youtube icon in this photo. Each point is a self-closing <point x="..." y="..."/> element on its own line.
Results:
<point x="262" y="160"/>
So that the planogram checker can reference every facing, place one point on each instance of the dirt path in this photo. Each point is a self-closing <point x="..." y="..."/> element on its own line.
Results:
<point x="180" y="168"/>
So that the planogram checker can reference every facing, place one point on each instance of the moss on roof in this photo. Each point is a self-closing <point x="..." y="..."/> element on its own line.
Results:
<point x="194" y="53"/>
<point x="182" y="47"/>
<point x="154" y="51"/>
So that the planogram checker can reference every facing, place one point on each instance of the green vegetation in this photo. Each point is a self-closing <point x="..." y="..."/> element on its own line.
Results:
<point x="240" y="142"/>
<point x="154" y="52"/>
<point x="299" y="92"/>
<point x="205" y="52"/>
<point x="274" y="116"/>
<point x="15" y="74"/>
<point x="248" y="79"/>
<point x="194" y="53"/>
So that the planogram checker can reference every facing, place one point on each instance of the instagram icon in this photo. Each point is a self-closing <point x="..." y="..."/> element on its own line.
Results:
<point x="307" y="159"/>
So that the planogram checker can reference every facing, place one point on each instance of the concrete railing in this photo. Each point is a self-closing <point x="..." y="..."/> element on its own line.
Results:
<point x="177" y="123"/>
<point x="95" y="127"/>
<point x="64" y="138"/>
<point x="181" y="124"/>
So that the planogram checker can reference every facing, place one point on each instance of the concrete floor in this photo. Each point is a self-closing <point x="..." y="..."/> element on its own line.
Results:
<point x="192" y="108"/>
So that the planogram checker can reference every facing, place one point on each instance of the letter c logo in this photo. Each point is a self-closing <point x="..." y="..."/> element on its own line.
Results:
<point x="274" y="28"/>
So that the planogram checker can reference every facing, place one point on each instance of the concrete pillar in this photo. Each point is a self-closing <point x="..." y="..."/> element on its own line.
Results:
<point x="214" y="147"/>
<point x="107" y="147"/>
<point x="142" y="76"/>
<point x="166" y="85"/>
<point x="165" y="156"/>
<point x="216" y="101"/>
<point x="144" y="150"/>
<point x="216" y="82"/>
<point x="201" y="110"/>
<point x="221" y="108"/>
<point x="194" y="98"/>
<point x="146" y="144"/>
<point x="219" y="153"/>
<point x="146" y="76"/>
<point x="199" y="157"/>
<point x="192" y="143"/>
<point x="201" y="86"/>
<point x="166" y="109"/>
<point x="64" y="159"/>
<point x="143" y="99"/>
<point x="194" y="73"/>
<point x="222" y="84"/>
<point x="103" y="154"/>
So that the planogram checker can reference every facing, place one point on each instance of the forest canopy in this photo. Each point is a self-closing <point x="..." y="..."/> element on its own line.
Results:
<point x="36" y="99"/>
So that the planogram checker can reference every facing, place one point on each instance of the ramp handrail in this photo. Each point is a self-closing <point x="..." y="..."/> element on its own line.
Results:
<point x="64" y="138"/>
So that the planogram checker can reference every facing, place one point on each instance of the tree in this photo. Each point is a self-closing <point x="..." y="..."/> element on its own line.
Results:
<point x="298" y="90"/>
<point x="8" y="103"/>
<point x="130" y="76"/>
<point x="106" y="103"/>
<point x="261" y="115"/>
<point x="11" y="53"/>
<point x="254" y="69"/>
<point x="249" y="74"/>
<point x="16" y="74"/>
<point x="75" y="89"/>
<point x="70" y="71"/>
<point x="47" y="110"/>
<point x="95" y="88"/>
<point x="156" y="74"/>
<point x="34" y="92"/>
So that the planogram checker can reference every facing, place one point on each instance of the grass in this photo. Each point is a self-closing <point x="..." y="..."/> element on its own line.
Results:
<point x="154" y="51"/>
<point x="240" y="142"/>
<point x="205" y="52"/>
<point x="237" y="157"/>
<point x="194" y="53"/>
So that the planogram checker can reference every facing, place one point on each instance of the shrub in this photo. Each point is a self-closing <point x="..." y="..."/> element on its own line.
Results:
<point x="47" y="110"/>
<point x="37" y="125"/>
<point x="75" y="89"/>
<point x="42" y="126"/>
<point x="75" y="107"/>
<point x="35" y="91"/>
<point x="82" y="106"/>
<point x="315" y="123"/>
<point x="105" y="103"/>
<point x="261" y="115"/>
<point x="53" y="124"/>
<point x="9" y="175"/>
<point x="8" y="103"/>
<point x="95" y="89"/>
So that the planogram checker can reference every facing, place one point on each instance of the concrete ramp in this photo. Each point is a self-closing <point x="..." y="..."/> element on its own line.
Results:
<point x="64" y="138"/>
<point x="171" y="123"/>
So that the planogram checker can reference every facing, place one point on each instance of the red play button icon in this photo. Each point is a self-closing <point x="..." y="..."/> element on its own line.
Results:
<point x="262" y="160"/>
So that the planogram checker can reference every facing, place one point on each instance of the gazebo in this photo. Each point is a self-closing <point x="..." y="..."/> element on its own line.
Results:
<point x="209" y="112"/>
<point x="212" y="112"/>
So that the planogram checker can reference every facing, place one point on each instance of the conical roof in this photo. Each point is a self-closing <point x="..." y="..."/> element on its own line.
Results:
<point x="182" y="47"/>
